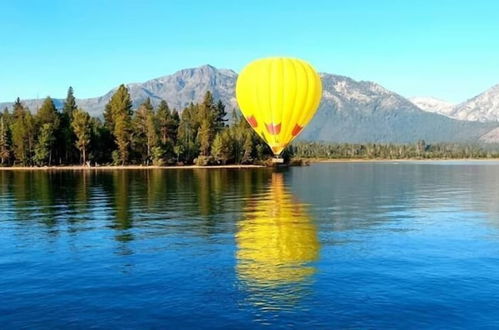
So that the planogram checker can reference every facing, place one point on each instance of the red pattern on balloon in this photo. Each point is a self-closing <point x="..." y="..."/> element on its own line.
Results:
<point x="274" y="129"/>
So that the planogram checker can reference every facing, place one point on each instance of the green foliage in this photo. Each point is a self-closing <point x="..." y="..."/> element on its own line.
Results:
<point x="4" y="141"/>
<point x="47" y="114"/>
<point x="82" y="128"/>
<point x="418" y="150"/>
<point x="159" y="136"/>
<point x="220" y="116"/>
<point x="145" y="131"/>
<point x="43" y="145"/>
<point x="187" y="133"/>
<point x="70" y="103"/>
<point x="65" y="133"/>
<point x="222" y="148"/>
<point x="23" y="134"/>
<point x="116" y="158"/>
<point x="118" y="118"/>
<point x="157" y="155"/>
<point x="48" y="121"/>
<point x="204" y="160"/>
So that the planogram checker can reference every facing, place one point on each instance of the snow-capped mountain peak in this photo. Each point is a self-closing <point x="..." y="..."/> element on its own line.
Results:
<point x="483" y="107"/>
<point x="431" y="104"/>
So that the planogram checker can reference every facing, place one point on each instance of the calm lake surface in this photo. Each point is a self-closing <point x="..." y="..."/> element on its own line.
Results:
<point x="369" y="245"/>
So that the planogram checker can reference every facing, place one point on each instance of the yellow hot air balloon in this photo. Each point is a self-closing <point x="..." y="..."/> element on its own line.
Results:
<point x="278" y="96"/>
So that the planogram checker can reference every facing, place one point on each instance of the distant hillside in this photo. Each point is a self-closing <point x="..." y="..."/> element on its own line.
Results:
<point x="351" y="111"/>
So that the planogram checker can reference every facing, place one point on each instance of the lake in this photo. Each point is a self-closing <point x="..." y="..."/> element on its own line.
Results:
<point x="345" y="245"/>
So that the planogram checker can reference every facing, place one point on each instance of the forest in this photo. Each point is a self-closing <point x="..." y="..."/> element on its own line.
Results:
<point x="199" y="134"/>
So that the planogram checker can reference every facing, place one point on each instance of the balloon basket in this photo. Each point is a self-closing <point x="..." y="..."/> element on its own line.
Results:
<point x="278" y="163"/>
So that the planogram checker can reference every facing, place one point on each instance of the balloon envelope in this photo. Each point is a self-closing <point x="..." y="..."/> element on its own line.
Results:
<point x="278" y="96"/>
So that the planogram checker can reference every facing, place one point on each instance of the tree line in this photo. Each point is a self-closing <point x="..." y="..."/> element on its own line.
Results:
<point x="148" y="135"/>
<point x="418" y="150"/>
<point x="200" y="134"/>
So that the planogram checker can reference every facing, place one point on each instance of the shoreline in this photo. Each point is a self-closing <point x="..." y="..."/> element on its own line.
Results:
<point x="248" y="166"/>
<point x="125" y="167"/>
<point x="404" y="160"/>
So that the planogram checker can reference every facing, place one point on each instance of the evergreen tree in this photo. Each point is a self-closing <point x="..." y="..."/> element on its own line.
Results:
<point x="122" y="137"/>
<point x="117" y="116"/>
<point x="187" y="133"/>
<point x="101" y="142"/>
<point x="206" y="115"/>
<point x="173" y="126"/>
<point x="65" y="133"/>
<point x="145" y="130"/>
<point x="221" y="149"/>
<point x="69" y="103"/>
<point x="82" y="128"/>
<point x="164" y="117"/>
<point x="47" y="114"/>
<point x="23" y="137"/>
<point x="247" y="148"/>
<point x="4" y="141"/>
<point x="43" y="144"/>
<point x="48" y="121"/>
<point x="220" y="116"/>
<point x="205" y="137"/>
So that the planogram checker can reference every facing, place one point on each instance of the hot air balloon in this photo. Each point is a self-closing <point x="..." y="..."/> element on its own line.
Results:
<point x="278" y="96"/>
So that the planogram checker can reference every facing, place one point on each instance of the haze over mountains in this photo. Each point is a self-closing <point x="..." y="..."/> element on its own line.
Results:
<point x="350" y="111"/>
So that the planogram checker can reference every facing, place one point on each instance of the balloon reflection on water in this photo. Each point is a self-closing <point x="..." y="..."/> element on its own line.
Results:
<point x="276" y="245"/>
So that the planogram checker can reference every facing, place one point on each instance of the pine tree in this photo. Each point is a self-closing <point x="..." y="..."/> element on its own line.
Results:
<point x="23" y="137"/>
<point x="122" y="137"/>
<point x="48" y="121"/>
<point x="47" y="114"/>
<point x="43" y="144"/>
<point x="145" y="130"/>
<point x="82" y="128"/>
<point x="69" y="103"/>
<point x="221" y="149"/>
<point x="173" y="126"/>
<point x="164" y="117"/>
<point x="117" y="116"/>
<point x="205" y="137"/>
<point x="220" y="116"/>
<point x="187" y="133"/>
<point x="247" y="148"/>
<point x="206" y="115"/>
<point x="65" y="133"/>
<point x="4" y="141"/>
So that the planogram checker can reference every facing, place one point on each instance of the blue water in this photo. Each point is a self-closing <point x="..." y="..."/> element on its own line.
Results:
<point x="343" y="245"/>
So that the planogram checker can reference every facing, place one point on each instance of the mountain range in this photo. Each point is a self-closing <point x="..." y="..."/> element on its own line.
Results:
<point x="483" y="107"/>
<point x="350" y="111"/>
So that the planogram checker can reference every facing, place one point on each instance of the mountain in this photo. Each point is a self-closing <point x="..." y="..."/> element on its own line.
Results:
<point x="351" y="111"/>
<point x="432" y="104"/>
<point x="179" y="89"/>
<point x="362" y="111"/>
<point x="483" y="107"/>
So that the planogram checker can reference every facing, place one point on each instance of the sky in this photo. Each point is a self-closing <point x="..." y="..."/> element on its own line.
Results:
<point x="440" y="48"/>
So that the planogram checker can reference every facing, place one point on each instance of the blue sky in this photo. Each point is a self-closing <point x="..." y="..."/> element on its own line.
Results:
<point x="447" y="49"/>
